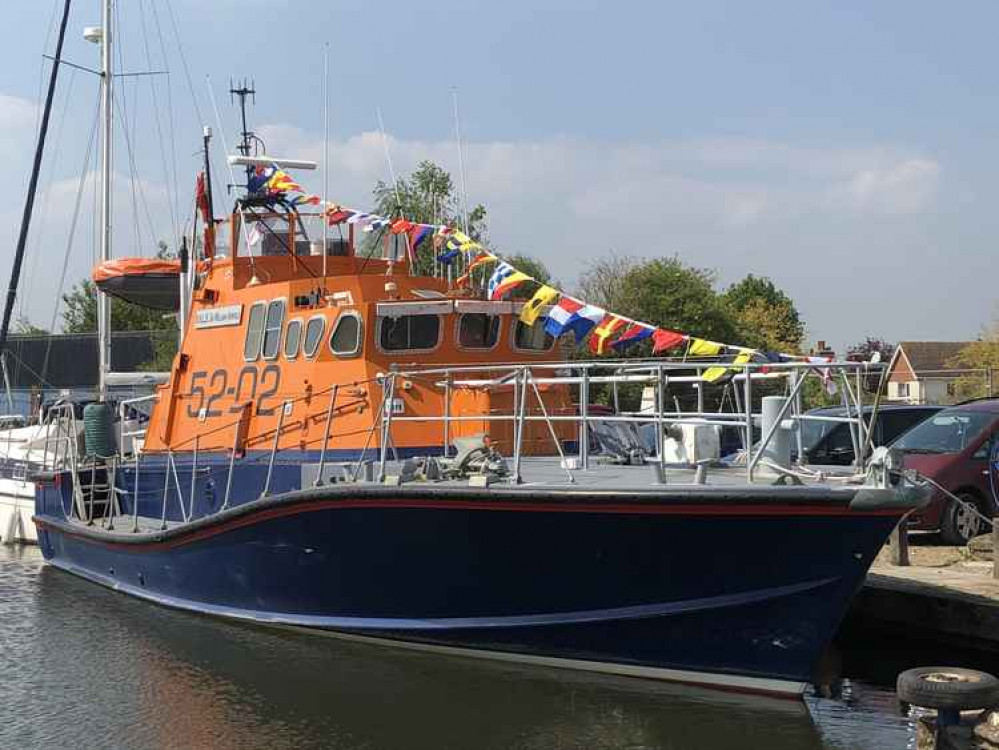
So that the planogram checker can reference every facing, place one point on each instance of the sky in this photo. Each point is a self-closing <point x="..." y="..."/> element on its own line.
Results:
<point x="847" y="150"/>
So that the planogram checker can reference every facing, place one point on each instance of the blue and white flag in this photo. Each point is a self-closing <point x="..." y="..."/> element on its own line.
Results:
<point x="503" y="269"/>
<point x="572" y="315"/>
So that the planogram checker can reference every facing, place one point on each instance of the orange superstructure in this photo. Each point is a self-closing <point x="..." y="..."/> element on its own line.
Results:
<point x="270" y="334"/>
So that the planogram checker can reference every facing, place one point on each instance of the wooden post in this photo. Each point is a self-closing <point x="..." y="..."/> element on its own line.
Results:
<point x="899" y="541"/>
<point x="995" y="546"/>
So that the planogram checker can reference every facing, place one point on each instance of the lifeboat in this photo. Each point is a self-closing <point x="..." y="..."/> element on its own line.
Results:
<point x="148" y="282"/>
<point x="349" y="446"/>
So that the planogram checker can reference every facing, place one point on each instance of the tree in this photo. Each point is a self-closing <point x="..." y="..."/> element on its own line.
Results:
<point x="671" y="294"/>
<point x="982" y="358"/>
<point x="427" y="196"/>
<point x="862" y="351"/>
<point x="79" y="313"/>
<point x="766" y="316"/>
<point x="600" y="284"/>
<point x="533" y="268"/>
<point x="24" y="327"/>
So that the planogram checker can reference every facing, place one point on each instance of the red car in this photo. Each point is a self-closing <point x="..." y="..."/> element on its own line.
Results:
<point x="955" y="448"/>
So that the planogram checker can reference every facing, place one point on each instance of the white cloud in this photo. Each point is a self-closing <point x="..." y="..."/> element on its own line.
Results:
<point x="735" y="204"/>
<point x="902" y="188"/>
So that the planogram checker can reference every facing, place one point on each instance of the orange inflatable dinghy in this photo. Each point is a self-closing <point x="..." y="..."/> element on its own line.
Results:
<point x="149" y="282"/>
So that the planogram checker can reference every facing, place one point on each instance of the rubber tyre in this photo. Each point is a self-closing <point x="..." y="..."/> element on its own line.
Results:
<point x="948" y="688"/>
<point x="958" y="525"/>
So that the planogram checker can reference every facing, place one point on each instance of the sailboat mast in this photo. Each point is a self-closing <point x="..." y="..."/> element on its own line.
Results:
<point x="107" y="110"/>
<point x="29" y="202"/>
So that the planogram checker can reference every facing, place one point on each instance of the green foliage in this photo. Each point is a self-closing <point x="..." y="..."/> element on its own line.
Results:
<point x="765" y="315"/>
<point x="426" y="196"/>
<point x="981" y="356"/>
<point x="79" y="315"/>
<point x="164" y="351"/>
<point x="24" y="327"/>
<point x="815" y="395"/>
<point x="532" y="267"/>
<point x="662" y="291"/>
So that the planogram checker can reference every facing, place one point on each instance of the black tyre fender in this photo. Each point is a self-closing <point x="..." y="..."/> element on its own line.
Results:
<point x="953" y="688"/>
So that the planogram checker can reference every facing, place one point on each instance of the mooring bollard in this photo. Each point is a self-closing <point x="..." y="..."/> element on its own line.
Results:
<point x="899" y="541"/>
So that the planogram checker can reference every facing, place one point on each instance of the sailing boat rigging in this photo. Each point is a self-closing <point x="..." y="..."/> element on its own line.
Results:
<point x="20" y="444"/>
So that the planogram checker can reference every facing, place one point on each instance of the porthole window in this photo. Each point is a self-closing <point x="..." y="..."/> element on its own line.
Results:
<point x="532" y="338"/>
<point x="313" y="335"/>
<point x="254" y="330"/>
<point x="272" y="329"/>
<point x="478" y="331"/>
<point x="345" y="341"/>
<point x="410" y="332"/>
<point x="292" y="339"/>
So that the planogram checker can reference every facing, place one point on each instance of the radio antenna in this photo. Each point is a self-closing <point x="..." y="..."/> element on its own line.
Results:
<point x="245" y="90"/>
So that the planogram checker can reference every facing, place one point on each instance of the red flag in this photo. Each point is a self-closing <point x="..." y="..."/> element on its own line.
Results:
<point x="201" y="197"/>
<point x="604" y="332"/>
<point x="401" y="225"/>
<point x="663" y="340"/>
<point x="338" y="216"/>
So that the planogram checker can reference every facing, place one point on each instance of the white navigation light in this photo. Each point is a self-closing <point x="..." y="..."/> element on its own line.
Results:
<point x="93" y="34"/>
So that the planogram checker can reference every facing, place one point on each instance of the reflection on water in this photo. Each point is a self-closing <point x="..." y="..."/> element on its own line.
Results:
<point x="87" y="667"/>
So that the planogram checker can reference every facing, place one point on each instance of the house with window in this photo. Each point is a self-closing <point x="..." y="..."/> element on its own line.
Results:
<point x="920" y="372"/>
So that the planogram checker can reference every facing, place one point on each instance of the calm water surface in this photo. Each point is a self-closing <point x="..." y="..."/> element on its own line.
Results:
<point x="84" y="667"/>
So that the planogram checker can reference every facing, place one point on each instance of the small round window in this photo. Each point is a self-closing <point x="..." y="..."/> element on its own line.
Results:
<point x="345" y="341"/>
<point x="292" y="339"/>
<point x="313" y="335"/>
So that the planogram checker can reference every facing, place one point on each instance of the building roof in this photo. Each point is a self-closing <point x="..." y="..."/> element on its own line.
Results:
<point x="931" y="355"/>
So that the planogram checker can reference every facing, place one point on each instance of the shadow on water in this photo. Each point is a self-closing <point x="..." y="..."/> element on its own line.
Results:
<point x="88" y="667"/>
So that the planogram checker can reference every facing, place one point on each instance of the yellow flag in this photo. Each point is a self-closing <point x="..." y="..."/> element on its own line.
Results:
<point x="483" y="258"/>
<point x="546" y="295"/>
<point x="713" y="374"/>
<point x="703" y="348"/>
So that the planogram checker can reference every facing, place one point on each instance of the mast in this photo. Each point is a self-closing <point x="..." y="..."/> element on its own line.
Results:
<point x="107" y="110"/>
<point x="29" y="201"/>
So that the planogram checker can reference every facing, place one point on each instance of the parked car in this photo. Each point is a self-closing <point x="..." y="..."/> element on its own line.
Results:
<point x="830" y="443"/>
<point x="955" y="449"/>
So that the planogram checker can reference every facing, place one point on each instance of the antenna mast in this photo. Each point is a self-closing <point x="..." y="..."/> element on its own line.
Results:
<point x="245" y="90"/>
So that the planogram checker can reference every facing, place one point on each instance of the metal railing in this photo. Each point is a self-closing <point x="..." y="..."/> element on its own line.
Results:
<point x="663" y="377"/>
<point x="669" y="381"/>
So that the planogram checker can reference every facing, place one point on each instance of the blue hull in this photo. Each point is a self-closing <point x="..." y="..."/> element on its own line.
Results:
<point x="735" y="593"/>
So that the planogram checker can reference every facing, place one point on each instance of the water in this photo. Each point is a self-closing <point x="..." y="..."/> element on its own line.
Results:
<point x="87" y="667"/>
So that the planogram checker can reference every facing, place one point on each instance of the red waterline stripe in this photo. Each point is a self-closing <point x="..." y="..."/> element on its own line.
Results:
<point x="735" y="511"/>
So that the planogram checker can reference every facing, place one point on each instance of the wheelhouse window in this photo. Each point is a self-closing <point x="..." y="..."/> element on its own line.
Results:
<point x="345" y="341"/>
<point x="292" y="339"/>
<point x="272" y="328"/>
<point x="313" y="335"/>
<point x="254" y="331"/>
<point x="410" y="332"/>
<point x="532" y="337"/>
<point x="478" y="330"/>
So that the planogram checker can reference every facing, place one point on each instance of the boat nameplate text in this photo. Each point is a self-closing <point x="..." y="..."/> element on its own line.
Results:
<point x="217" y="317"/>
